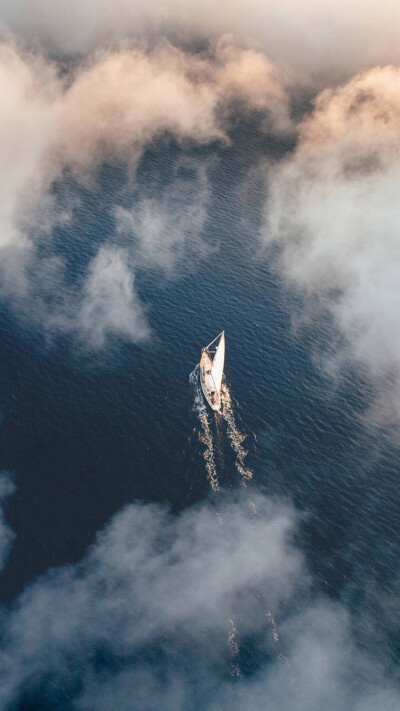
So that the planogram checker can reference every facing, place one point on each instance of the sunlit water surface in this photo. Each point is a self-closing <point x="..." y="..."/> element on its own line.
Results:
<point x="85" y="433"/>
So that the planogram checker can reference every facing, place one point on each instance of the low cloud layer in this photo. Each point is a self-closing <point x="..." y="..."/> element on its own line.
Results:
<point x="6" y="534"/>
<point x="56" y="121"/>
<point x="112" y="106"/>
<point x="313" y="38"/>
<point x="110" y="303"/>
<point x="333" y="207"/>
<point x="179" y="612"/>
<point x="165" y="221"/>
<point x="161" y="611"/>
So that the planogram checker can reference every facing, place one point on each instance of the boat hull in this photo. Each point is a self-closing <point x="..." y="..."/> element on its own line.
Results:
<point x="213" y="401"/>
<point x="210" y="392"/>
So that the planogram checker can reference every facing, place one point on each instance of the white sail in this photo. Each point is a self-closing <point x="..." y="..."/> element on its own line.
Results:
<point x="217" y="368"/>
<point x="211" y="371"/>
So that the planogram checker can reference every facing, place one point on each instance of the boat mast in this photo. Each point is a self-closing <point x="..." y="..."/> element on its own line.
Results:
<point x="213" y="341"/>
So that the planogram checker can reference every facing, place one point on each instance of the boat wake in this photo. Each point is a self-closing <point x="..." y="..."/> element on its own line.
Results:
<point x="274" y="630"/>
<point x="235" y="436"/>
<point x="212" y="442"/>
<point x="205" y="433"/>
<point x="211" y="438"/>
<point x="233" y="649"/>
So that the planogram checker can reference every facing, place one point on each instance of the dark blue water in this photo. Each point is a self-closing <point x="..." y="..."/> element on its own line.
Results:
<point x="85" y="432"/>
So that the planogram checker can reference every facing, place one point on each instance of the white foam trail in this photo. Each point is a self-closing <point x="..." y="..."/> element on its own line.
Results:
<point x="233" y="649"/>
<point x="205" y="430"/>
<point x="236" y="437"/>
<point x="275" y="636"/>
<point x="268" y="614"/>
<point x="207" y="438"/>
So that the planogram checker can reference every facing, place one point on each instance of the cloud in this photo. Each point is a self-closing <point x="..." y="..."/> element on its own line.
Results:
<point x="6" y="534"/>
<point x="333" y="208"/>
<point x="166" y="220"/>
<point x="151" y="580"/>
<point x="147" y="617"/>
<point x="110" y="305"/>
<point x="60" y="122"/>
<point x="314" y="38"/>
<point x="145" y="620"/>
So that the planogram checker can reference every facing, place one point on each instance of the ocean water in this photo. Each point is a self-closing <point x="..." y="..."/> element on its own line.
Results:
<point x="86" y="433"/>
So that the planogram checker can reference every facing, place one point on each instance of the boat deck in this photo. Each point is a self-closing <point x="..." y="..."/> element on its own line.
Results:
<point x="212" y="395"/>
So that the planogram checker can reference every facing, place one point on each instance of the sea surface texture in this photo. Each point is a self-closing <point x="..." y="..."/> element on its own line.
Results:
<point x="162" y="556"/>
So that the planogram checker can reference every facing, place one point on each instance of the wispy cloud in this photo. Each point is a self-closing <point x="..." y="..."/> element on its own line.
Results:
<point x="110" y="305"/>
<point x="333" y="208"/>
<point x="166" y="222"/>
<point x="305" y="36"/>
<point x="144" y="619"/>
<point x="6" y="534"/>
<point x="110" y="106"/>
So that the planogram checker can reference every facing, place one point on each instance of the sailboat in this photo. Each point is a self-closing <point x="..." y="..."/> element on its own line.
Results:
<point x="211" y="370"/>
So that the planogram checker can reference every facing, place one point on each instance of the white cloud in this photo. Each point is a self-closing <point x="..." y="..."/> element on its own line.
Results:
<point x="110" y="305"/>
<point x="165" y="224"/>
<point x="6" y="534"/>
<point x="333" y="207"/>
<point x="313" y="37"/>
<point x="110" y="106"/>
<point x="144" y="620"/>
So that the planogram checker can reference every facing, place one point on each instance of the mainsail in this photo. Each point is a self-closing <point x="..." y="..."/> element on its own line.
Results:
<point x="211" y="370"/>
<point x="217" y="367"/>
